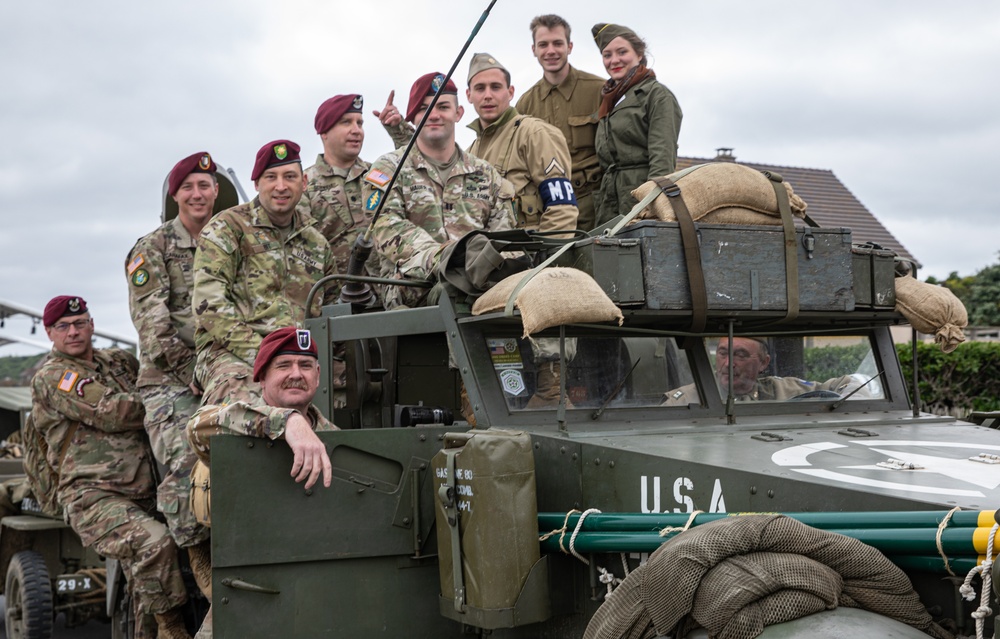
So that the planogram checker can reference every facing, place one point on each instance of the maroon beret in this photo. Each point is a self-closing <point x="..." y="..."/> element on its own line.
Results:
<point x="284" y="341"/>
<point x="330" y="112"/>
<point x="424" y="86"/>
<point x="274" y="153"/>
<point x="62" y="306"/>
<point x="200" y="162"/>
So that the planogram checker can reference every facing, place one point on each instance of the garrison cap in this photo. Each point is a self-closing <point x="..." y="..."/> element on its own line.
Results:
<point x="284" y="341"/>
<point x="63" y="306"/>
<point x="482" y="62"/>
<point x="605" y="33"/>
<point x="275" y="153"/>
<point x="200" y="162"/>
<point x="330" y="112"/>
<point x="424" y="86"/>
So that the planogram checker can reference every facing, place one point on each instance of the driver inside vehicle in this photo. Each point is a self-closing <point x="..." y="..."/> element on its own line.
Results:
<point x="751" y="358"/>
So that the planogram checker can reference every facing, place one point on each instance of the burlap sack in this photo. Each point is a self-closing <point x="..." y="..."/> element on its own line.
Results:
<point x="932" y="309"/>
<point x="737" y="215"/>
<point x="555" y="296"/>
<point x="719" y="185"/>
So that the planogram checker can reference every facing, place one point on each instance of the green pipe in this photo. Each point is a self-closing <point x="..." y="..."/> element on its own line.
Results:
<point x="640" y="522"/>
<point x="894" y="541"/>
<point x="959" y="565"/>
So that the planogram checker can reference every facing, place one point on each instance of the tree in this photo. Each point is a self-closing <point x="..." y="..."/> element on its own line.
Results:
<point x="983" y="301"/>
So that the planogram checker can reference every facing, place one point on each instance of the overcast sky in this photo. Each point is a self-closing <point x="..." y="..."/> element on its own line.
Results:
<point x="898" y="98"/>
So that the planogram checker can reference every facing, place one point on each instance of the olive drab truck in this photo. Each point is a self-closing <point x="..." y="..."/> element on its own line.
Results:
<point x="436" y="528"/>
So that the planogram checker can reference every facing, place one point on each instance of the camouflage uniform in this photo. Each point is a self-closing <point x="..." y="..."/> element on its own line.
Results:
<point x="571" y="107"/>
<point x="425" y="210"/>
<point x="528" y="152"/>
<point x="249" y="279"/>
<point x="106" y="477"/>
<point x="159" y="270"/>
<point x="243" y="419"/>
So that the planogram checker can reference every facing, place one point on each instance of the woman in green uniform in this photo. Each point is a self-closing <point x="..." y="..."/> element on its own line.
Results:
<point x="638" y="121"/>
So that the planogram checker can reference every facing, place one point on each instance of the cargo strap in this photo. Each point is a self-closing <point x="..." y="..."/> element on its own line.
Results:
<point x="791" y="250"/>
<point x="692" y="253"/>
<point x="448" y="494"/>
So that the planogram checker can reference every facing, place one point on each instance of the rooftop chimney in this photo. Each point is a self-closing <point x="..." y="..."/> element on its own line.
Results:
<point x="724" y="154"/>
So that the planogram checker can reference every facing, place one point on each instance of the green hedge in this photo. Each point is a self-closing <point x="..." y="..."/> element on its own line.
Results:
<point x="955" y="383"/>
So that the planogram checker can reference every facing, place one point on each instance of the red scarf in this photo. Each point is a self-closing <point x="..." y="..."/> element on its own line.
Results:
<point x="613" y="90"/>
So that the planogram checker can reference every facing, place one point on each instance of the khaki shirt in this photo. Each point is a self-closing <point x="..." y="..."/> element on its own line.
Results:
<point x="160" y="277"/>
<point x="109" y="450"/>
<point x="250" y="280"/>
<point x="571" y="107"/>
<point x="534" y="157"/>
<point x="425" y="211"/>
<point x="770" y="389"/>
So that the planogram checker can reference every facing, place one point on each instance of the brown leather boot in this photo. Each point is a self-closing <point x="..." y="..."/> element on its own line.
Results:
<point x="170" y="625"/>
<point x="547" y="387"/>
<point x="200" y="558"/>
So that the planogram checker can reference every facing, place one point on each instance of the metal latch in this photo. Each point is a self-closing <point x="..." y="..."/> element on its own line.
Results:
<point x="857" y="432"/>
<point x="986" y="458"/>
<point x="770" y="437"/>
<point x="899" y="464"/>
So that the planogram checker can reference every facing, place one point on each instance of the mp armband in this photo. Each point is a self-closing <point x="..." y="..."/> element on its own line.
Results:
<point x="556" y="192"/>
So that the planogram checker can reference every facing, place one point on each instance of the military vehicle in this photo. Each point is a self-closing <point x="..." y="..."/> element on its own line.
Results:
<point x="410" y="542"/>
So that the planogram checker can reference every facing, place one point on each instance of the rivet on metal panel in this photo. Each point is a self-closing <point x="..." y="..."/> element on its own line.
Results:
<point x="770" y="494"/>
<point x="423" y="438"/>
<point x="269" y="444"/>
<point x="611" y="464"/>
<point x="753" y="490"/>
<point x="597" y="461"/>
<point x="250" y="444"/>
<point x="537" y="446"/>
<point x="309" y="492"/>
<point x="562" y="449"/>
<point x="225" y="601"/>
<point x="465" y="370"/>
<point x="574" y="457"/>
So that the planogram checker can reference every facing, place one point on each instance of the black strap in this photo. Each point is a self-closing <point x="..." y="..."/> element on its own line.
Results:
<point x="791" y="249"/>
<point x="692" y="253"/>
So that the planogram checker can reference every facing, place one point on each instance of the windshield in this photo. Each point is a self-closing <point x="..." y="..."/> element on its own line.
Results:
<point x="600" y="371"/>
<point x="798" y="368"/>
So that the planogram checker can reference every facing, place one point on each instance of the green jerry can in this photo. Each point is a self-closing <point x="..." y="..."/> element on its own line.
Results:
<point x="492" y="575"/>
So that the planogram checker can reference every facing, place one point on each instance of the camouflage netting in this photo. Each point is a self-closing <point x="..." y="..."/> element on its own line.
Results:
<point x="735" y="576"/>
<point x="722" y="193"/>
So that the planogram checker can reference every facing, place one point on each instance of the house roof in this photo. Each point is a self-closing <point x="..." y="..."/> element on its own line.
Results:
<point x="830" y="203"/>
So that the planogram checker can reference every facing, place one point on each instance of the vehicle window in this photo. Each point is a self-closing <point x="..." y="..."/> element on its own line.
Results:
<point x="619" y="371"/>
<point x="809" y="368"/>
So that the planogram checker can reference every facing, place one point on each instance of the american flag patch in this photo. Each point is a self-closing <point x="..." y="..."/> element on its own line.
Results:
<point x="68" y="381"/>
<point x="497" y="348"/>
<point x="377" y="178"/>
<point x="136" y="262"/>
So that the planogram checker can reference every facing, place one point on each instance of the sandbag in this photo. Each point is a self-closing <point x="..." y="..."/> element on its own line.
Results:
<point x="933" y="310"/>
<point x="554" y="296"/>
<point x="719" y="185"/>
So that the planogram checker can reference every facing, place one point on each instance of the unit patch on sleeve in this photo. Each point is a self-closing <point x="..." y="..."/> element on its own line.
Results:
<point x="372" y="202"/>
<point x="377" y="178"/>
<point x="140" y="277"/>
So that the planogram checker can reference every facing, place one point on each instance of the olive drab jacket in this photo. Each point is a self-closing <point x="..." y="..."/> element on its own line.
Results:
<point x="571" y="107"/>
<point x="635" y="142"/>
<point x="533" y="156"/>
<point x="97" y="404"/>
<point x="249" y="279"/>
<point x="159" y="269"/>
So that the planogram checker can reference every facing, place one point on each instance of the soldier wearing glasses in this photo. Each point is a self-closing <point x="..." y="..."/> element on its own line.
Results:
<point x="85" y="403"/>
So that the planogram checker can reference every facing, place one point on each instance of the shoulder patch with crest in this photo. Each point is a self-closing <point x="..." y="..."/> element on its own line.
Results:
<point x="136" y="262"/>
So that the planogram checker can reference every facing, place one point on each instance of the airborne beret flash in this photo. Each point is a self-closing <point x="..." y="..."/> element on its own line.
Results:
<point x="330" y="112"/>
<point x="284" y="341"/>
<point x="63" y="306"/>
<point x="275" y="153"/>
<point x="200" y="162"/>
<point x="424" y="86"/>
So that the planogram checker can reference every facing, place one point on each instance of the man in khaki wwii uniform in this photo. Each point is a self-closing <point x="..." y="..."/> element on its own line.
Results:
<point x="440" y="194"/>
<point x="750" y="360"/>
<point x="533" y="156"/>
<point x="84" y="402"/>
<point x="159" y="269"/>
<point x="525" y="150"/>
<point x="253" y="270"/>
<point x="287" y="368"/>
<point x="567" y="98"/>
